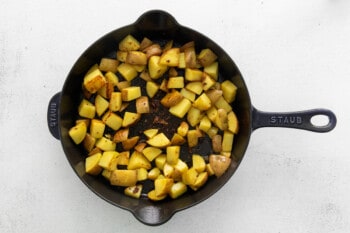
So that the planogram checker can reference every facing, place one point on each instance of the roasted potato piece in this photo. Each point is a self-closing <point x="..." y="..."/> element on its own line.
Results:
<point x="131" y="93"/>
<point x="146" y="42"/>
<point x="214" y="95"/>
<point x="129" y="43"/>
<point x="203" y="102"/>
<point x="78" y="132"/>
<point x="229" y="91"/>
<point x="151" y="152"/>
<point x="136" y="58"/>
<point x="188" y="94"/>
<point x="89" y="142"/>
<point x="195" y="87"/>
<point x="159" y="140"/>
<point x="153" y="50"/>
<point x="130" y="118"/>
<point x="91" y="164"/>
<point x="172" y="154"/>
<point x="181" y="108"/>
<point x="142" y="105"/>
<point x="227" y="141"/>
<point x="151" y="89"/>
<point x="217" y="143"/>
<point x="155" y="69"/>
<point x="137" y="160"/>
<point x="232" y="121"/>
<point x="112" y="120"/>
<point x="142" y="174"/>
<point x="176" y="82"/>
<point x="127" y="71"/>
<point x="86" y="109"/>
<point x="198" y="163"/>
<point x="171" y="99"/>
<point x="107" y="158"/>
<point x="121" y="135"/>
<point x="133" y="191"/>
<point x="94" y="80"/>
<point x="130" y="142"/>
<point x="212" y="70"/>
<point x="101" y="105"/>
<point x="105" y="144"/>
<point x="124" y="178"/>
<point x="193" y="74"/>
<point x="153" y="197"/>
<point x="115" y="102"/>
<point x="97" y="128"/>
<point x="206" y="57"/>
<point x="163" y="186"/>
<point x="170" y="57"/>
<point x="194" y="116"/>
<point x="109" y="64"/>
<point x="219" y="164"/>
<point x="177" y="189"/>
<point x="192" y="138"/>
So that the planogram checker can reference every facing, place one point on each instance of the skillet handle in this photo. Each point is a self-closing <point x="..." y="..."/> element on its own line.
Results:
<point x="297" y="120"/>
<point x="156" y="20"/>
<point x="152" y="215"/>
<point x="52" y="115"/>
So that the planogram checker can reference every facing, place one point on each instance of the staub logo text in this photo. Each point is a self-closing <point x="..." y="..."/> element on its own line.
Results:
<point x="286" y="120"/>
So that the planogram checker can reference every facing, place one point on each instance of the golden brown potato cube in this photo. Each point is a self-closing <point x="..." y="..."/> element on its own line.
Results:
<point x="221" y="120"/>
<point x="145" y="43"/>
<point x="124" y="178"/>
<point x="121" y="135"/>
<point x="190" y="57"/>
<point x="173" y="72"/>
<point x="94" y="151"/>
<point x="227" y="141"/>
<point x="153" y="197"/>
<point x="207" y="82"/>
<point x="183" y="128"/>
<point x="181" y="108"/>
<point x="91" y="164"/>
<point x="106" y="90"/>
<point x="200" y="181"/>
<point x="151" y="88"/>
<point x="205" y="124"/>
<point x="182" y="61"/>
<point x="129" y="43"/>
<point x="189" y="177"/>
<point x="229" y="91"/>
<point x="123" y="158"/>
<point x="196" y="87"/>
<point x="193" y="74"/>
<point x="177" y="140"/>
<point x="108" y="64"/>
<point x="176" y="82"/>
<point x="130" y="142"/>
<point x="188" y="94"/>
<point x="136" y="58"/>
<point x="101" y="105"/>
<point x="222" y="103"/>
<point x="153" y="173"/>
<point x="150" y="133"/>
<point x="209" y="170"/>
<point x="97" y="128"/>
<point x="89" y="142"/>
<point x="145" y="76"/>
<point x="192" y="138"/>
<point x="155" y="69"/>
<point x="233" y="125"/>
<point x="112" y="78"/>
<point x="85" y="121"/>
<point x="171" y="99"/>
<point x="127" y="71"/>
<point x="153" y="50"/>
<point x="217" y="143"/>
<point x="131" y="93"/>
<point x="172" y="154"/>
<point x="162" y="186"/>
<point x="142" y="105"/>
<point x="177" y="189"/>
<point x="194" y="116"/>
<point x="121" y="55"/>
<point x="78" y="132"/>
<point x="107" y="158"/>
<point x="94" y="80"/>
<point x="206" y="57"/>
<point x="219" y="164"/>
<point x="130" y="118"/>
<point x="203" y="102"/>
<point x="105" y="144"/>
<point x="151" y="152"/>
<point x="142" y="174"/>
<point x="140" y="146"/>
<point x="164" y="85"/>
<point x="212" y="113"/>
<point x="170" y="57"/>
<point x="133" y="191"/>
<point x="160" y="161"/>
<point x="212" y="131"/>
<point x="159" y="140"/>
<point x="198" y="163"/>
<point x="123" y="84"/>
<point x="112" y="120"/>
<point x="212" y="70"/>
<point x="137" y="160"/>
<point x="214" y="95"/>
<point x="86" y="109"/>
<point x="115" y="102"/>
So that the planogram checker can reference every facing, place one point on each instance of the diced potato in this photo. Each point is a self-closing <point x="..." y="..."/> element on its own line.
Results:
<point x="177" y="140"/>
<point x="160" y="161"/>
<point x="108" y="64"/>
<point x="101" y="105"/>
<point x="195" y="87"/>
<point x="153" y="197"/>
<point x="203" y="102"/>
<point x="130" y="142"/>
<point x="140" y="146"/>
<point x="168" y="170"/>
<point x="164" y="86"/>
<point x="86" y="109"/>
<point x="205" y="124"/>
<point x="159" y="140"/>
<point x="190" y="57"/>
<point x="106" y="90"/>
<point x="192" y="138"/>
<point x="78" y="132"/>
<point x="107" y="158"/>
<point x="181" y="166"/>
<point x="150" y="133"/>
<point x="106" y="173"/>
<point x="155" y="69"/>
<point x="206" y="57"/>
<point x="97" y="128"/>
<point x="168" y="46"/>
<point x="171" y="99"/>
<point x="89" y="142"/>
<point x="151" y="89"/>
<point x="142" y="174"/>
<point x="85" y="121"/>
<point x="182" y="62"/>
<point x="229" y="90"/>
<point x="123" y="158"/>
<point x="127" y="71"/>
<point x="124" y="178"/>
<point x="212" y="70"/>
<point x="112" y="120"/>
<point x="145" y="76"/>
<point x="188" y="94"/>
<point x="227" y="141"/>
<point x="142" y="105"/>
<point x="163" y="186"/>
<point x="207" y="81"/>
<point x="129" y="43"/>
<point x="177" y="189"/>
<point x="189" y="177"/>
<point x="181" y="108"/>
<point x="94" y="80"/>
<point x="123" y="84"/>
<point x="212" y="131"/>
<point x="209" y="170"/>
<point x="137" y="160"/>
<point x="214" y="95"/>
<point x="131" y="93"/>
<point x="133" y="191"/>
<point x="115" y="102"/>
<point x="91" y="164"/>
<point x="217" y="143"/>
<point x="153" y="50"/>
<point x="121" y="135"/>
<point x="221" y="119"/>
<point x="151" y="152"/>
<point x="219" y="164"/>
<point x="176" y="82"/>
<point x="232" y="122"/>
<point x="198" y="163"/>
<point x="121" y="55"/>
<point x="130" y="118"/>
<point x="112" y="78"/>
<point x="136" y="58"/>
<point x="113" y="164"/>
<point x="170" y="57"/>
<point x="183" y="128"/>
<point x="222" y="103"/>
<point x="193" y="74"/>
<point x="194" y="116"/>
<point x="105" y="144"/>
<point x="94" y="151"/>
<point x="153" y="173"/>
<point x="146" y="42"/>
<point x="200" y="181"/>
<point x="172" y="154"/>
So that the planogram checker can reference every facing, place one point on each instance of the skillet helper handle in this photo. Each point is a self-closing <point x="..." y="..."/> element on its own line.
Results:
<point x="297" y="120"/>
<point x="153" y="215"/>
<point x="52" y="115"/>
<point x="156" y="20"/>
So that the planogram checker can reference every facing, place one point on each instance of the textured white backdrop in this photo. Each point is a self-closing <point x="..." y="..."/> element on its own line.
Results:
<point x="294" y="55"/>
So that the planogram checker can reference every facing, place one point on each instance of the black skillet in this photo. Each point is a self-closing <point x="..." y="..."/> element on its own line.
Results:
<point x="161" y="27"/>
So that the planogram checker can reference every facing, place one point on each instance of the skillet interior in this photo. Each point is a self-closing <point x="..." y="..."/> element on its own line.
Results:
<point x="159" y="27"/>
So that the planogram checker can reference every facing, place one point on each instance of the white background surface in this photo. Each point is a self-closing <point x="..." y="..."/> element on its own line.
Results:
<point x="293" y="55"/>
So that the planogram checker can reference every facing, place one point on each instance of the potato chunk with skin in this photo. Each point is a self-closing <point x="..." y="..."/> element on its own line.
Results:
<point x="159" y="140"/>
<point x="131" y="93"/>
<point x="133" y="191"/>
<point x="78" y="132"/>
<point x="130" y="118"/>
<point x="97" y="128"/>
<point x="171" y="99"/>
<point x="170" y="57"/>
<point x="206" y="57"/>
<point x="94" y="80"/>
<point x="151" y="89"/>
<point x="105" y="144"/>
<point x="101" y="105"/>
<point x="127" y="71"/>
<point x="109" y="64"/>
<point x="129" y="43"/>
<point x="203" y="102"/>
<point x="142" y="105"/>
<point x="155" y="69"/>
<point x="124" y="178"/>
<point x="151" y="152"/>
<point x="163" y="186"/>
<point x="219" y="164"/>
<point x="136" y="58"/>
<point x="112" y="120"/>
<point x="181" y="108"/>
<point x="137" y="160"/>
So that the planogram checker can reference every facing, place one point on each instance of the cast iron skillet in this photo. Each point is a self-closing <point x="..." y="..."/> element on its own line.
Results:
<point x="161" y="26"/>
